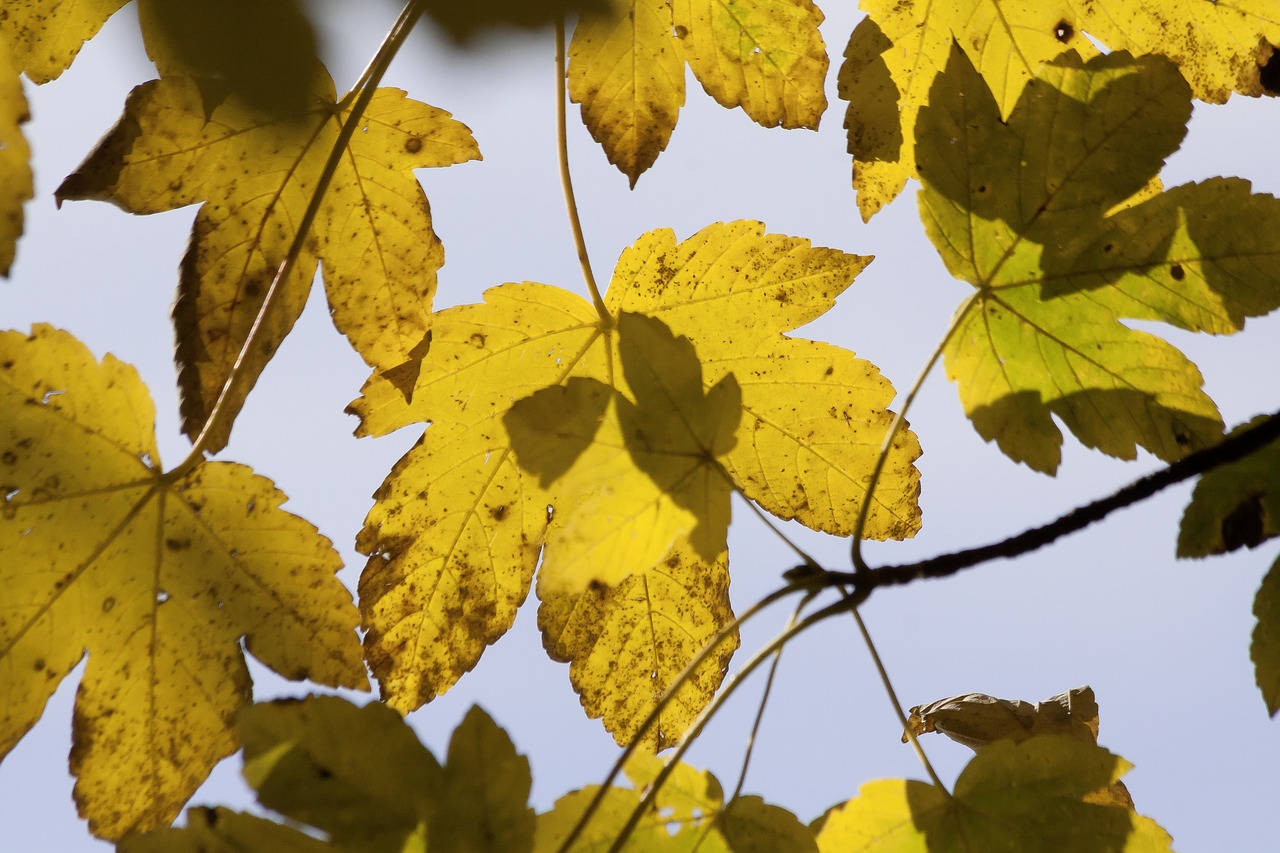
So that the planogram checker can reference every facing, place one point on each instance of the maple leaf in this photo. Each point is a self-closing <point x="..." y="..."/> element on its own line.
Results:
<point x="688" y="812"/>
<point x="896" y="52"/>
<point x="263" y="51"/>
<point x="1234" y="506"/>
<point x="179" y="142"/>
<point x="158" y="578"/>
<point x="626" y="69"/>
<point x="362" y="778"/>
<point x="455" y="534"/>
<point x="15" y="156"/>
<point x="1028" y="796"/>
<point x="46" y="35"/>
<point x="1058" y="258"/>
<point x="627" y="644"/>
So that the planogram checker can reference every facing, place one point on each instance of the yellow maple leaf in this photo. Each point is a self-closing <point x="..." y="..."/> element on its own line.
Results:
<point x="470" y="550"/>
<point x="627" y="68"/>
<point x="15" y="155"/>
<point x="627" y="644"/>
<point x="46" y="35"/>
<point x="627" y="72"/>
<point x="158" y="578"/>
<point x="1034" y="795"/>
<point x="1058" y="261"/>
<point x="179" y="143"/>
<point x="895" y="53"/>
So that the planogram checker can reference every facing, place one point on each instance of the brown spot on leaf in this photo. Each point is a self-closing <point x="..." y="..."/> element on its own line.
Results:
<point x="499" y="512"/>
<point x="1177" y="272"/>
<point x="1063" y="32"/>
<point x="9" y="458"/>
<point x="413" y="145"/>
<point x="177" y="544"/>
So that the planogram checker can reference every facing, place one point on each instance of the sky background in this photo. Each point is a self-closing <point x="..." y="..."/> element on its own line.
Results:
<point x="1163" y="643"/>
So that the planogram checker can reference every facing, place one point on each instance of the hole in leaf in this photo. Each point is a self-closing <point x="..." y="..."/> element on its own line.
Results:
<point x="162" y="597"/>
<point x="1063" y="32"/>
<point x="49" y="395"/>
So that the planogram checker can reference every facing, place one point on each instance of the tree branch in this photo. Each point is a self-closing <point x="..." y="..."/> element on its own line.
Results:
<point x="1229" y="450"/>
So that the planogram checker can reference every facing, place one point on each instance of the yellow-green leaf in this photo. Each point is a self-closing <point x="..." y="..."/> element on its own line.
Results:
<point x="1265" y="650"/>
<point x="895" y="53"/>
<point x="1234" y="506"/>
<point x="224" y="831"/>
<point x="1055" y="274"/>
<point x="765" y="56"/>
<point x="627" y="644"/>
<point x="1011" y="797"/>
<point x="179" y="143"/>
<point x="358" y="774"/>
<point x="554" y="826"/>
<point x="897" y="50"/>
<point x="158" y="579"/>
<point x="483" y="805"/>
<point x="627" y="72"/>
<point x="750" y="825"/>
<point x="732" y="290"/>
<point x="46" y="36"/>
<point x="15" y="156"/>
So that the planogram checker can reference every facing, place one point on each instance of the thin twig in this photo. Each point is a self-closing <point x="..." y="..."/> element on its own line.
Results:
<point x="1229" y="450"/>
<point x="649" y="721"/>
<point x="764" y="701"/>
<point x="864" y="509"/>
<point x="566" y="180"/>
<point x="370" y="79"/>
<point x="730" y="686"/>
<point x="896" y="703"/>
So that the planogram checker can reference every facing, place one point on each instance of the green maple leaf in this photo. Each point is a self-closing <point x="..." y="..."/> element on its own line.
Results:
<point x="1052" y="218"/>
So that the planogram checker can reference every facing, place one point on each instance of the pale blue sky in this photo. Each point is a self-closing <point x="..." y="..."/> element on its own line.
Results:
<point x="1163" y="643"/>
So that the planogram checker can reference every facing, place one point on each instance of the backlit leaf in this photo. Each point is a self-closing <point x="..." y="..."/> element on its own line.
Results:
<point x="46" y="35"/>
<point x="224" y="831"/>
<point x="1058" y="261"/>
<point x="1011" y="797"/>
<point x="1236" y="505"/>
<point x="627" y="72"/>
<point x="765" y="56"/>
<point x="1265" y="650"/>
<point x="627" y="68"/>
<point x="158" y="579"/>
<point x="263" y="51"/>
<point x="627" y="644"/>
<point x="732" y="291"/>
<point x="483" y="807"/>
<point x="15" y="155"/>
<point x="895" y="53"/>
<point x="181" y="142"/>
<point x="358" y="774"/>
<point x="750" y="825"/>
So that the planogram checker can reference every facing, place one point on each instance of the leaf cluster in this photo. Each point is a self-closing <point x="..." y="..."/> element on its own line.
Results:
<point x="586" y="449"/>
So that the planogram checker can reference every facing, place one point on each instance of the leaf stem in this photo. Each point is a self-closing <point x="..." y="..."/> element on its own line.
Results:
<point x="649" y="721"/>
<point x="896" y="703"/>
<point x="369" y="81"/>
<point x="712" y="707"/>
<point x="764" y="701"/>
<point x="1229" y="450"/>
<point x="864" y="509"/>
<point x="566" y="179"/>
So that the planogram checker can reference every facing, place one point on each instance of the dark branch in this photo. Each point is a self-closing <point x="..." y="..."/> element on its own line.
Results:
<point x="1229" y="450"/>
